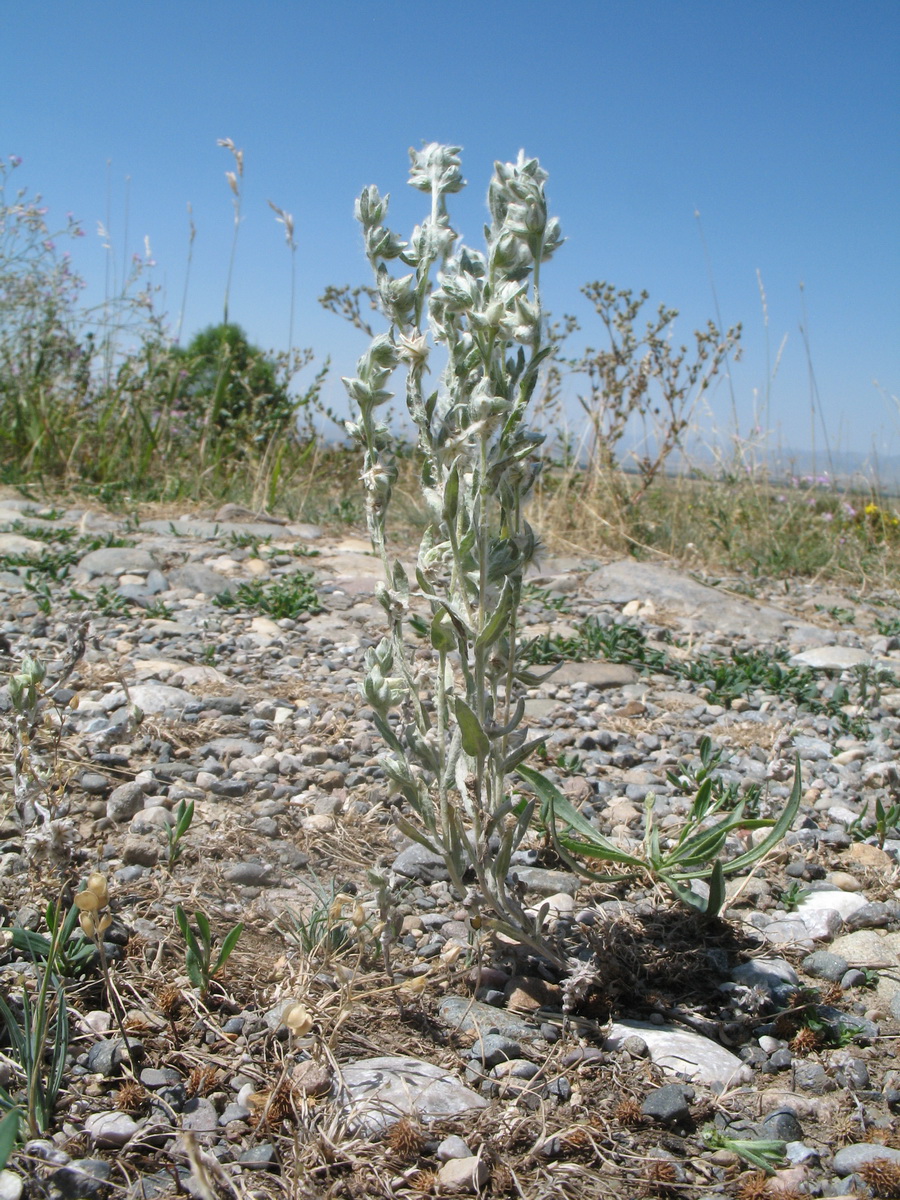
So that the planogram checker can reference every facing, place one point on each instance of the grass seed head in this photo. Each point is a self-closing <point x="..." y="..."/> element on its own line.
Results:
<point x="883" y="1176"/>
<point x="405" y="1139"/>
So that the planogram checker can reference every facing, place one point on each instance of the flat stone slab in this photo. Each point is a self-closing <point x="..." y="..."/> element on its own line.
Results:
<point x="683" y="1053"/>
<point x="868" y="948"/>
<point x="712" y="609"/>
<point x="195" y="527"/>
<point x="116" y="560"/>
<point x="596" y="674"/>
<point x="378" y="1092"/>
<point x="150" y="698"/>
<point x="15" y="543"/>
<point x="459" y="1012"/>
<point x="831" y="658"/>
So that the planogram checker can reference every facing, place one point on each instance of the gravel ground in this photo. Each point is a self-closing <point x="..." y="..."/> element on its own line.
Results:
<point x="306" y="1069"/>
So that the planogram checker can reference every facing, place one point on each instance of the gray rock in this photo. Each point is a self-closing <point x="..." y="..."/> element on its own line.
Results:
<point x="769" y="973"/>
<point x="464" y="1174"/>
<point x="782" y="1125"/>
<point x="124" y="802"/>
<point x="377" y="1092"/>
<point x="150" y="698"/>
<point x="418" y="862"/>
<point x="11" y="1185"/>
<point x="493" y="1048"/>
<point x="459" y="1012"/>
<point x="110" y="1130"/>
<point x="194" y="577"/>
<point x="452" y="1147"/>
<point x="258" y="1156"/>
<point x="823" y="964"/>
<point x="547" y="883"/>
<point x="116" y="560"/>
<point x="600" y="675"/>
<point x="199" y="1116"/>
<point x="670" y="1104"/>
<point x="850" y="1158"/>
<point x="251" y="874"/>
<point x="83" y="1179"/>
<point x="812" y="1077"/>
<point x="106" y="1056"/>
<point x="708" y="608"/>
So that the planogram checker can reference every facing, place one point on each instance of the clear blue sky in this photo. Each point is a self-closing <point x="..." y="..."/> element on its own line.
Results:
<point x="778" y="121"/>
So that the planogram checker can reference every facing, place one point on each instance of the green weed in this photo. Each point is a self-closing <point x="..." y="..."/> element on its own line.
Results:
<point x="287" y="596"/>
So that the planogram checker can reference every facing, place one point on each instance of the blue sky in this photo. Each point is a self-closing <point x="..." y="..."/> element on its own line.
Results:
<point x="777" y="121"/>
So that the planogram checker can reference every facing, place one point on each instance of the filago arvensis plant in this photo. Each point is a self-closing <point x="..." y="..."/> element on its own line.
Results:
<point x="447" y="694"/>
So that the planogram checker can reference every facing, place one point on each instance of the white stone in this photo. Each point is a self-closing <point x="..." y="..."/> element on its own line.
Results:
<point x="464" y="1174"/>
<point x="831" y="658"/>
<point x="149" y="697"/>
<point x="377" y="1092"/>
<point x="845" y="903"/>
<point x="110" y="1129"/>
<point x="11" y="1185"/>
<point x="14" y="543"/>
<point x="683" y="1053"/>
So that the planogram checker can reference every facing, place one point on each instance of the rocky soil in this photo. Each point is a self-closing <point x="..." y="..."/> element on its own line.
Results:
<point x="306" y="1068"/>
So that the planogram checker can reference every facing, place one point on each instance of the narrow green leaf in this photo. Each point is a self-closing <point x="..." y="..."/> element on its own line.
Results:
<point x="779" y="829"/>
<point x="228" y="945"/>
<point x="513" y="760"/>
<point x="9" y="1133"/>
<point x="499" y="619"/>
<point x="205" y="931"/>
<point x="193" y="963"/>
<point x="451" y="496"/>
<point x="716" y="891"/>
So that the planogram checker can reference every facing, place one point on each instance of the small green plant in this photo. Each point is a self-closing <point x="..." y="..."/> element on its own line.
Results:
<point x="843" y="616"/>
<point x="887" y="820"/>
<point x="210" y="656"/>
<point x="42" y="533"/>
<point x="53" y="563"/>
<point x="763" y="1153"/>
<point x="158" y="611"/>
<point x="109" y="603"/>
<point x="791" y="897"/>
<point x="287" y="596"/>
<point x="694" y="854"/>
<point x="617" y="643"/>
<point x="249" y="541"/>
<point x="532" y="594"/>
<point x="334" y="925"/>
<point x="888" y="626"/>
<point x="37" y="1033"/>
<point x="184" y="815"/>
<point x="201" y="967"/>
<point x="40" y="591"/>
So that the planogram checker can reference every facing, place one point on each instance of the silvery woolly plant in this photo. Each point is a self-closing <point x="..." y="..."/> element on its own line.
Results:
<point x="449" y="707"/>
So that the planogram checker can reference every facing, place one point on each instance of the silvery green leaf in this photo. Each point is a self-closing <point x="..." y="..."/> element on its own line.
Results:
<point x="371" y="208"/>
<point x="499" y="619"/>
<point x="474" y="739"/>
<point x="443" y="639"/>
<point x="512" y="761"/>
<point x="383" y="243"/>
<point x="436" y="167"/>
<point x="450" y="505"/>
